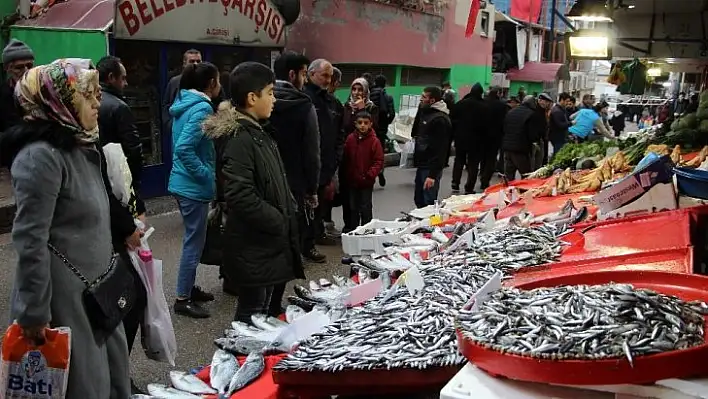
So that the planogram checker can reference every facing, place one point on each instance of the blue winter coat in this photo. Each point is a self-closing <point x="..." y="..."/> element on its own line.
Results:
<point x="193" y="154"/>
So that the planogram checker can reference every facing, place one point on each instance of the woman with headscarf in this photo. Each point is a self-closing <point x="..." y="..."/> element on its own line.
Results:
<point x="359" y="100"/>
<point x="62" y="228"/>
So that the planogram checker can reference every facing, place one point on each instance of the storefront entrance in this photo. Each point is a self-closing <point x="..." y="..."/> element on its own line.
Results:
<point x="150" y="65"/>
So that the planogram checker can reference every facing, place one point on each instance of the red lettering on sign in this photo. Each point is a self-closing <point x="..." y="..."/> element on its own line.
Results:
<point x="142" y="8"/>
<point x="138" y="13"/>
<point x="248" y="9"/>
<point x="130" y="20"/>
<point x="157" y="11"/>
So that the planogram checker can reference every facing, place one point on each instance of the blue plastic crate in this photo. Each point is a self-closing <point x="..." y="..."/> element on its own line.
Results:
<point x="692" y="182"/>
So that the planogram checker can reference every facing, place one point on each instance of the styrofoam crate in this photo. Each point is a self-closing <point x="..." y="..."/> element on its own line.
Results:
<point x="355" y="245"/>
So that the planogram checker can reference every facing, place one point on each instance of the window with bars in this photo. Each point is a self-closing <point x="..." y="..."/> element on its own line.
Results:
<point x="414" y="76"/>
<point x="353" y="71"/>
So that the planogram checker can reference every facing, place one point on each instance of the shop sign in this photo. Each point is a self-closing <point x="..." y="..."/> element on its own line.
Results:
<point x="235" y="22"/>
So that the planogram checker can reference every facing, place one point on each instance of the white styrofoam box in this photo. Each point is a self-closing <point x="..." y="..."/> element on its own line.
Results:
<point x="355" y="245"/>
<point x="471" y="382"/>
<point x="661" y="197"/>
<point x="696" y="387"/>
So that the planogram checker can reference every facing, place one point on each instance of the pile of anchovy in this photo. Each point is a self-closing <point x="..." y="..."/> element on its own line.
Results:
<point x="512" y="248"/>
<point x="404" y="331"/>
<point x="584" y="322"/>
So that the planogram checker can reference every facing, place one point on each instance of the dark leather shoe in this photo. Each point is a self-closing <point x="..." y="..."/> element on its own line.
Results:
<point x="189" y="308"/>
<point x="199" y="295"/>
<point x="314" y="256"/>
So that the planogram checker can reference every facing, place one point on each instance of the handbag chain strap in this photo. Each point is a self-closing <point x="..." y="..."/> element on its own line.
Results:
<point x="76" y="271"/>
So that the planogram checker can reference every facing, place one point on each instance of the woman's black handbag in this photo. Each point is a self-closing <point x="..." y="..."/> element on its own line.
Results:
<point x="108" y="298"/>
<point x="213" y="252"/>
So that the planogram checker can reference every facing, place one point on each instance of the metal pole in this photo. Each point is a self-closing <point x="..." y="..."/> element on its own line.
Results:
<point x="554" y="5"/>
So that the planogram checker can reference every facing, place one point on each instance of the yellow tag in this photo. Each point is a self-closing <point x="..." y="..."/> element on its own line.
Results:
<point x="435" y="220"/>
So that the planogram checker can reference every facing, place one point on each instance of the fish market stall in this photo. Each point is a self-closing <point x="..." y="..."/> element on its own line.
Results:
<point x="597" y="328"/>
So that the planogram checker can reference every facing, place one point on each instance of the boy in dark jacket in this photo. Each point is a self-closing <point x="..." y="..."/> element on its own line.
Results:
<point x="262" y="248"/>
<point x="363" y="161"/>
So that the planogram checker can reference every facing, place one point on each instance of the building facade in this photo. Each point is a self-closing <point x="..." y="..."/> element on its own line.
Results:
<point x="412" y="48"/>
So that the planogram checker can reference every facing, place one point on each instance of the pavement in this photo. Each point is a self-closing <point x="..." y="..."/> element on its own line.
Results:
<point x="194" y="337"/>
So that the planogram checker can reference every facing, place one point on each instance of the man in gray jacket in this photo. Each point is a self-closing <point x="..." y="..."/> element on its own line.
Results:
<point x="191" y="56"/>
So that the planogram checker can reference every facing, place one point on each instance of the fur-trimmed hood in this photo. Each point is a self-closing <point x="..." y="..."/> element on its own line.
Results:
<point x="225" y="121"/>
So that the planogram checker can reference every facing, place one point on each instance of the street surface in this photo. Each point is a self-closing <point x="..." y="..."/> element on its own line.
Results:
<point x="194" y="337"/>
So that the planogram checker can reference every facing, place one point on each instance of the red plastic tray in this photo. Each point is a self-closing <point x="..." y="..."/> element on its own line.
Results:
<point x="647" y="369"/>
<point x="676" y="260"/>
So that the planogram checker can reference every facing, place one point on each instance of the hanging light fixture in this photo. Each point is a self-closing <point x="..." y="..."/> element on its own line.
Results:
<point x="590" y="10"/>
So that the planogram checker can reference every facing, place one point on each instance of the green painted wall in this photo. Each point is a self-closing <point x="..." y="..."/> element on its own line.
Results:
<point x="529" y="86"/>
<point x="458" y="75"/>
<point x="7" y="7"/>
<point x="49" y="45"/>
<point x="468" y="75"/>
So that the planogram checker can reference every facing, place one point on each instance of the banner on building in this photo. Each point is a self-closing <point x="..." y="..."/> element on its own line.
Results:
<point x="526" y="10"/>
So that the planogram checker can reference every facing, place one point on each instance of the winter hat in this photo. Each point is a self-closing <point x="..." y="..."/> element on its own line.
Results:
<point x="16" y="50"/>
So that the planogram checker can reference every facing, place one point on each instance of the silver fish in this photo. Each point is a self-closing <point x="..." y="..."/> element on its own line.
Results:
<point x="223" y="367"/>
<point x="314" y="286"/>
<point x="324" y="283"/>
<point x="267" y="323"/>
<point x="187" y="382"/>
<point x="245" y="330"/>
<point x="293" y="313"/>
<point x="418" y="332"/>
<point x="241" y="345"/>
<point x="165" y="392"/>
<point x="584" y="322"/>
<point x="250" y="370"/>
<point x="141" y="396"/>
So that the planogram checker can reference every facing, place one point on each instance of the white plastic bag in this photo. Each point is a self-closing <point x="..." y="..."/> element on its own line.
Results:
<point x="35" y="372"/>
<point x="407" y="150"/>
<point x="159" y="340"/>
<point x="118" y="172"/>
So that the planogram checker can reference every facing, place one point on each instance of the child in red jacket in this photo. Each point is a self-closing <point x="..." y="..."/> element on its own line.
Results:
<point x="363" y="161"/>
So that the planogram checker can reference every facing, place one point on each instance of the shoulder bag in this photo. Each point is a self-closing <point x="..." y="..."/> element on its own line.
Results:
<point x="108" y="298"/>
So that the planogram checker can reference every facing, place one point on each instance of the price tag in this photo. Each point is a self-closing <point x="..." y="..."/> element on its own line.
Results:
<point x="413" y="281"/>
<point x="502" y="200"/>
<point x="361" y="293"/>
<point x="488" y="221"/>
<point x="481" y="295"/>
<point x="302" y="328"/>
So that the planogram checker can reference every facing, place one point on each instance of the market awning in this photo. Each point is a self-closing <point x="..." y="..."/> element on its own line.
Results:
<point x="96" y="15"/>
<point x="501" y="17"/>
<point x="539" y="72"/>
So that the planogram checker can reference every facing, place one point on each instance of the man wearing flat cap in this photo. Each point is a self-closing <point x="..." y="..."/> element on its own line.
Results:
<point x="17" y="58"/>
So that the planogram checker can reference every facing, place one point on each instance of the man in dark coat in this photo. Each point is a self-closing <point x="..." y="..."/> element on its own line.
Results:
<point x="497" y="109"/>
<point x="116" y="120"/>
<point x="17" y="58"/>
<point x="319" y="75"/>
<point x="386" y="115"/>
<point x="522" y="128"/>
<point x="191" y="56"/>
<point x="432" y="130"/>
<point x="470" y="121"/>
<point x="262" y="248"/>
<point x="559" y="123"/>
<point x="297" y="134"/>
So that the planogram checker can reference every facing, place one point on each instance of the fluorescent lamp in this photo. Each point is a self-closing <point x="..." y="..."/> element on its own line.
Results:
<point x="654" y="72"/>
<point x="666" y="84"/>
<point x="590" y="10"/>
<point x="590" y="46"/>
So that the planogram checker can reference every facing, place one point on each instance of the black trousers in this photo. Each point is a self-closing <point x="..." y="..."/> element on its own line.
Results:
<point x="134" y="318"/>
<point x="470" y="157"/>
<point x="253" y="300"/>
<point x="381" y="135"/>
<point x="516" y="162"/>
<point x="275" y="308"/>
<point x="361" y="205"/>
<point x="322" y="213"/>
<point x="349" y="223"/>
<point x="307" y="226"/>
<point x="489" y="164"/>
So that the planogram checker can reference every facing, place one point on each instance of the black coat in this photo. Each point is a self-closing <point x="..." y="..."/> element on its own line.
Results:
<point x="558" y="123"/>
<point x="261" y="234"/>
<point x="470" y="120"/>
<point x="497" y="112"/>
<point x="331" y="140"/>
<point x="116" y="124"/>
<point x="387" y="110"/>
<point x="10" y="113"/>
<point x="432" y="130"/>
<point x="297" y="134"/>
<point x="522" y="128"/>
